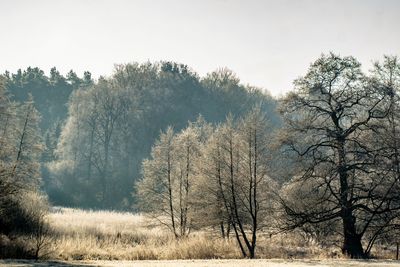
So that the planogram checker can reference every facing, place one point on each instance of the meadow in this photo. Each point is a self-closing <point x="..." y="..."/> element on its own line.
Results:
<point x="109" y="238"/>
<point x="108" y="235"/>
<point x="208" y="263"/>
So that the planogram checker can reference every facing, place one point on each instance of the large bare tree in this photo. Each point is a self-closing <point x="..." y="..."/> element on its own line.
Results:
<point x="330" y="123"/>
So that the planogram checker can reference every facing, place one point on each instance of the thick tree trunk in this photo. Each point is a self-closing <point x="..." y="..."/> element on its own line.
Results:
<point x="252" y="252"/>
<point x="352" y="241"/>
<point x="352" y="246"/>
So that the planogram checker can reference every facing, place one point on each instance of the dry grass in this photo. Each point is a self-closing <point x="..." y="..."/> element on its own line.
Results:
<point x="107" y="235"/>
<point x="210" y="263"/>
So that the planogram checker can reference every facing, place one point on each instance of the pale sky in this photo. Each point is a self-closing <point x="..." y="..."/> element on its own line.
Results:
<point x="267" y="43"/>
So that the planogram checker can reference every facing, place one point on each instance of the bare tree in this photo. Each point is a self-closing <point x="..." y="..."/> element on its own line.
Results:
<point x="385" y="76"/>
<point x="166" y="188"/>
<point x="234" y="175"/>
<point x="211" y="197"/>
<point x="156" y="188"/>
<point x="256" y="186"/>
<point x="21" y="149"/>
<point x="188" y="146"/>
<point x="110" y="109"/>
<point x="7" y="131"/>
<point x="36" y="208"/>
<point x="328" y="129"/>
<point x="89" y="139"/>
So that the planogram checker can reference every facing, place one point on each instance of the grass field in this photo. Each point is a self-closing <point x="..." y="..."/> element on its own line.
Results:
<point x="210" y="263"/>
<point x="106" y="235"/>
<point x="113" y="238"/>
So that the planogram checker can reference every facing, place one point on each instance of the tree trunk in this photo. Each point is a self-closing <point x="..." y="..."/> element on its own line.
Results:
<point x="89" y="170"/>
<point x="239" y="241"/>
<point x="222" y="229"/>
<point x="252" y="252"/>
<point x="352" y="241"/>
<point x="107" y="142"/>
<point x="170" y="197"/>
<point x="21" y="143"/>
<point x="228" y="229"/>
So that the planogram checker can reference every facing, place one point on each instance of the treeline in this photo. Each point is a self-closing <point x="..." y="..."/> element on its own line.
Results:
<point x="82" y="141"/>
<point x="113" y="123"/>
<point x="90" y="154"/>
<point x="50" y="92"/>
<point x="340" y="179"/>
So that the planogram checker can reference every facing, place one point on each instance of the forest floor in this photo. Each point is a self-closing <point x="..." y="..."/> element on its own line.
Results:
<point x="212" y="263"/>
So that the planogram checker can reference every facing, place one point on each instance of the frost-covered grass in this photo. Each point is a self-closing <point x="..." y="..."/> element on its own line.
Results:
<point x="107" y="235"/>
<point x="210" y="263"/>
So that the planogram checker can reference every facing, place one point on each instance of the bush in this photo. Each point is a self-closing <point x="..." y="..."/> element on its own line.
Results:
<point x="23" y="226"/>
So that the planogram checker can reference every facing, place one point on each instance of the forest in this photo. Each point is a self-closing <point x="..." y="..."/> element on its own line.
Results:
<point x="201" y="158"/>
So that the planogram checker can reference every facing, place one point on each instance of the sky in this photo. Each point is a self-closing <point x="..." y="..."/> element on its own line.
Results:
<point x="266" y="43"/>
